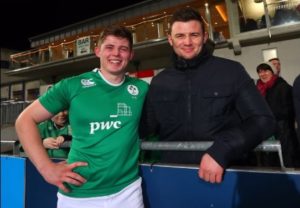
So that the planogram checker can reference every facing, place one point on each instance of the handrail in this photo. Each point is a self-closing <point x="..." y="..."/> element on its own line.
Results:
<point x="13" y="144"/>
<point x="266" y="146"/>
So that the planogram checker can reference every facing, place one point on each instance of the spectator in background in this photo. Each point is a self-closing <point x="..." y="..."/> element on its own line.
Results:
<point x="277" y="65"/>
<point x="247" y="24"/>
<point x="296" y="96"/>
<point x="278" y="94"/>
<point x="54" y="132"/>
<point x="105" y="108"/>
<point x="204" y="98"/>
<point x="263" y="21"/>
<point x="298" y="9"/>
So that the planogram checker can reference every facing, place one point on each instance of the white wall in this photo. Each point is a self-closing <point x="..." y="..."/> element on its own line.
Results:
<point x="288" y="52"/>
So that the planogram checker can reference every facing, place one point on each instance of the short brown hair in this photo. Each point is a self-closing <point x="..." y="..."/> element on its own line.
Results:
<point x="186" y="14"/>
<point x="118" y="31"/>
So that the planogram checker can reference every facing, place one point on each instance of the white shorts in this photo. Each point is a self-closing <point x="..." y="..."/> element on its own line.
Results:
<point x="129" y="197"/>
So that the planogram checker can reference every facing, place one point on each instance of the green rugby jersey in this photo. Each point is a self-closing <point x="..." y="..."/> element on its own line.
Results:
<point x="48" y="129"/>
<point x="104" y="120"/>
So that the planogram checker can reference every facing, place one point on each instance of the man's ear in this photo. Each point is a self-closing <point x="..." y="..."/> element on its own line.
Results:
<point x="170" y="40"/>
<point x="131" y="55"/>
<point x="97" y="51"/>
<point x="205" y="37"/>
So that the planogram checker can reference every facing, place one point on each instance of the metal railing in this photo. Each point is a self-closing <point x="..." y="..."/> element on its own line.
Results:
<point x="266" y="146"/>
<point x="10" y="110"/>
<point x="10" y="146"/>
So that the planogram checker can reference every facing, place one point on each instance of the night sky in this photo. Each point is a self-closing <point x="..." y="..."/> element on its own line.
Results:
<point x="21" y="20"/>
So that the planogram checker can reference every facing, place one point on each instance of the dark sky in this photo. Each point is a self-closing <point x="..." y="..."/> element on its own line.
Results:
<point x="20" y="20"/>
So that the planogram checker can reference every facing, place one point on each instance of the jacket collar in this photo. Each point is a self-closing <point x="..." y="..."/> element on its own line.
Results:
<point x="188" y="64"/>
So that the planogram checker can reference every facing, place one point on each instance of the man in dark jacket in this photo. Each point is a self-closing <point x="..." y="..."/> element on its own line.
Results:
<point x="296" y="97"/>
<point x="204" y="98"/>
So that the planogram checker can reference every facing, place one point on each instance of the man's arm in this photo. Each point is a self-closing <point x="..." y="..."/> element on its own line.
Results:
<point x="257" y="123"/>
<point x="27" y="131"/>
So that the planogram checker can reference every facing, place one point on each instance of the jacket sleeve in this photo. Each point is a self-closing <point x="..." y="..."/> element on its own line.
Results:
<point x="257" y="123"/>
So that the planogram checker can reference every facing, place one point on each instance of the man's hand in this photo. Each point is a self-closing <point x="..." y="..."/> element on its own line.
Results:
<point x="58" y="173"/>
<point x="60" y="140"/>
<point x="210" y="170"/>
<point x="53" y="143"/>
<point x="50" y="143"/>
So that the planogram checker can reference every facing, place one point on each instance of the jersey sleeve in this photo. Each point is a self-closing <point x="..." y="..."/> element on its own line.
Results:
<point x="56" y="99"/>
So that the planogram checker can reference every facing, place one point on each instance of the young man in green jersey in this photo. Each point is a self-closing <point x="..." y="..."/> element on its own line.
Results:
<point x="104" y="111"/>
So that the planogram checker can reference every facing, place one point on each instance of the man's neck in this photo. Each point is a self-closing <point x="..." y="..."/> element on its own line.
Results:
<point x="113" y="79"/>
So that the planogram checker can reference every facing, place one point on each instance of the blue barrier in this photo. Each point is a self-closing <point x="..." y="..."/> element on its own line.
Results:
<point x="23" y="187"/>
<point x="164" y="187"/>
<point x="39" y="193"/>
<point x="12" y="182"/>
<point x="178" y="187"/>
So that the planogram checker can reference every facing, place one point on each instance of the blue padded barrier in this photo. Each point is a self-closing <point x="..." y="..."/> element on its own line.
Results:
<point x="12" y="182"/>
<point x="180" y="187"/>
<point x="165" y="187"/>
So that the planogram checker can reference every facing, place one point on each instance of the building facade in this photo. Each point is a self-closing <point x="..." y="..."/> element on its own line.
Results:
<point x="248" y="31"/>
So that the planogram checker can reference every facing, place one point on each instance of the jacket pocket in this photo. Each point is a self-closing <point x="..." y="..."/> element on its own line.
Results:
<point x="217" y="102"/>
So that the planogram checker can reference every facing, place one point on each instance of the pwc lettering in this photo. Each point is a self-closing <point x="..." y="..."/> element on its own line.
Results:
<point x="104" y="125"/>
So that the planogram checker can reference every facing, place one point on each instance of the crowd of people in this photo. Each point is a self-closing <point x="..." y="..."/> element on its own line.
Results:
<point x="200" y="97"/>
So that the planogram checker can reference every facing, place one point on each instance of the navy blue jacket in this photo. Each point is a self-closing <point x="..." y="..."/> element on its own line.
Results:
<point x="206" y="99"/>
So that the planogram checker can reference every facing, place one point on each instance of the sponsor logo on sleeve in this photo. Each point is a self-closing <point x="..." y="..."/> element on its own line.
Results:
<point x="87" y="83"/>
